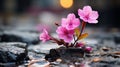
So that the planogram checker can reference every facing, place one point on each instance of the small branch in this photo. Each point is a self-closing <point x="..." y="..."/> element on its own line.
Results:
<point x="57" y="24"/>
<point x="74" y="37"/>
<point x="82" y="28"/>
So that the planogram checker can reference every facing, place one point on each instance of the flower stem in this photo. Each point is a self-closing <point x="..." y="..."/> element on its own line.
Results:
<point x="74" y="37"/>
<point x="82" y="28"/>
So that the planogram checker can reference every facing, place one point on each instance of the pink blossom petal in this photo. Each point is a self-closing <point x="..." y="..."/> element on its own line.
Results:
<point x="60" y="30"/>
<point x="71" y="15"/>
<point x="87" y="15"/>
<point x="93" y="15"/>
<point x="63" y="33"/>
<point x="71" y="22"/>
<point x="84" y="18"/>
<point x="70" y="26"/>
<point x="76" y="22"/>
<point x="80" y="12"/>
<point x="45" y="31"/>
<point x="80" y="45"/>
<point x="88" y="49"/>
<point x="68" y="38"/>
<point x="71" y="32"/>
<point x="93" y="21"/>
<point x="44" y="36"/>
<point x="64" y="22"/>
<point x="87" y="10"/>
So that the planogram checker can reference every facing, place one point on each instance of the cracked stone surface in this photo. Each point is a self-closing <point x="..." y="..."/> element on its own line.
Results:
<point x="13" y="51"/>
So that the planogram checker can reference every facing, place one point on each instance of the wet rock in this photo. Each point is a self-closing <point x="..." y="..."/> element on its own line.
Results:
<point x="52" y="56"/>
<point x="12" y="53"/>
<point x="105" y="49"/>
<point x="103" y="65"/>
<point x="17" y="36"/>
<point x="66" y="54"/>
<point x="117" y="39"/>
<point x="34" y="55"/>
<point x="105" y="61"/>
<point x="7" y="64"/>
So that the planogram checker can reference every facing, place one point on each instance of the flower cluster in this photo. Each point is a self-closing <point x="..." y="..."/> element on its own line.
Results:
<point x="69" y="29"/>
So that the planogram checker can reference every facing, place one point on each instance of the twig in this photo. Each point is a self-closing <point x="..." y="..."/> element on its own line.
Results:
<point x="83" y="26"/>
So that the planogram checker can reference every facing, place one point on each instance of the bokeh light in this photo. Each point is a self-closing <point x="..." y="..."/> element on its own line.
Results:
<point x="66" y="3"/>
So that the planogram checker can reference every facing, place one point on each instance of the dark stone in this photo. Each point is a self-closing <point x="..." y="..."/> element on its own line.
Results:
<point x="11" y="53"/>
<point x="8" y="64"/>
<point x="52" y="56"/>
<point x="16" y="36"/>
<point x="65" y="54"/>
<point x="117" y="39"/>
<point x="103" y="65"/>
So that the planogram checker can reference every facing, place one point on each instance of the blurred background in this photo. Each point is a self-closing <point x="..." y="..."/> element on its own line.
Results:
<point x="35" y="14"/>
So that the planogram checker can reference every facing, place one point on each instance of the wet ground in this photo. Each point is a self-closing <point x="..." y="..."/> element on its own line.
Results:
<point x="23" y="49"/>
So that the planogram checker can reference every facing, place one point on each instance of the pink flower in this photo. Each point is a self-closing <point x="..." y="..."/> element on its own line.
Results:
<point x="80" y="44"/>
<point x="63" y="33"/>
<point x="88" y="49"/>
<point x="88" y="15"/>
<point x="71" y="22"/>
<point x="44" y="36"/>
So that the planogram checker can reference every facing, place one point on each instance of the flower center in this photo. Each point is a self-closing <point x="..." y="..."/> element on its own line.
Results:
<point x="66" y="32"/>
<point x="86" y="17"/>
<point x="70" y="24"/>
